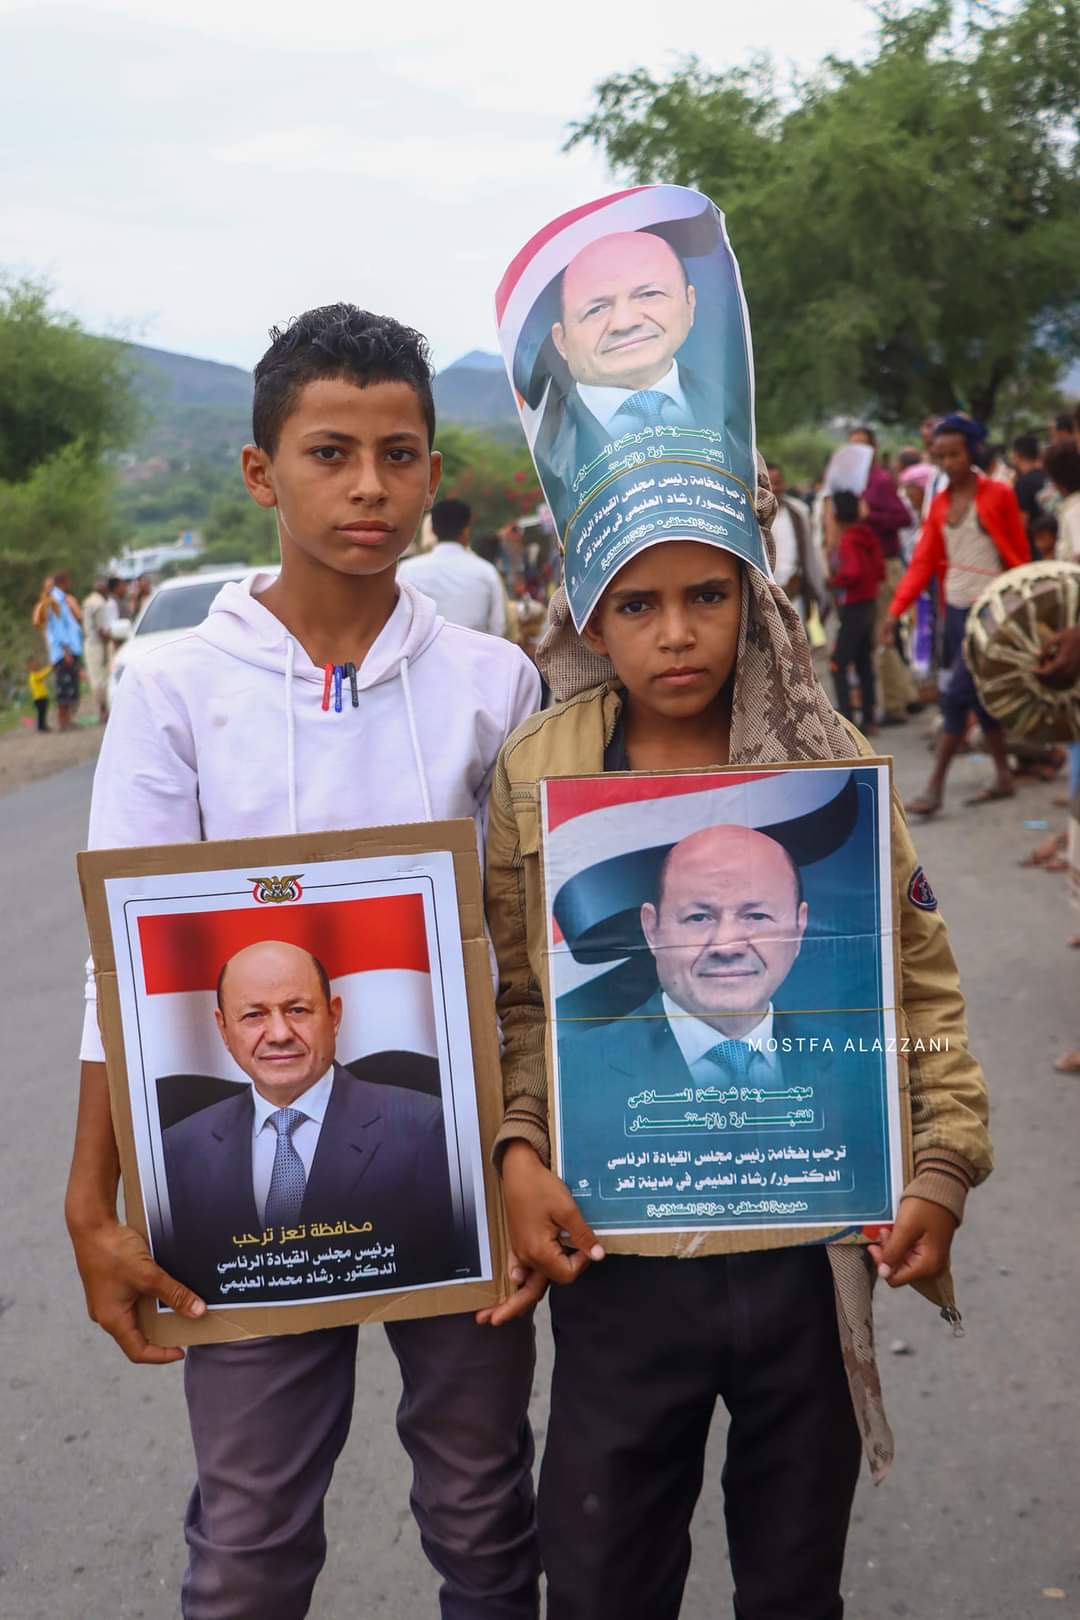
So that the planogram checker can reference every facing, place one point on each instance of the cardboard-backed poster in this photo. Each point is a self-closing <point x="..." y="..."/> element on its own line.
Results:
<point x="303" y="1070"/>
<point x="626" y="337"/>
<point x="728" y="1071"/>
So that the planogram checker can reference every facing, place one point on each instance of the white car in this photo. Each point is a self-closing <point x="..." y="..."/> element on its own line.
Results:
<point x="176" y="606"/>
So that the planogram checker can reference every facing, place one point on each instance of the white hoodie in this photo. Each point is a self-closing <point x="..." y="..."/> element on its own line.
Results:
<point x="222" y="734"/>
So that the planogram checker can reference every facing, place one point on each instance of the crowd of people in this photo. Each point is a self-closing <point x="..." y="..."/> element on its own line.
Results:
<point x="499" y="582"/>
<point x="78" y="638"/>
<point x="906" y="558"/>
<point x="900" y="562"/>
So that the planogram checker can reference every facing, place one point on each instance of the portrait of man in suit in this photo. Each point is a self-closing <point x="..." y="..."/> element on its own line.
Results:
<point x="722" y="966"/>
<point x="308" y="1142"/>
<point x="626" y="307"/>
<point x="724" y="930"/>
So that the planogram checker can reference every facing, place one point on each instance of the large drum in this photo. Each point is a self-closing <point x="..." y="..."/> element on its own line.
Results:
<point x="1007" y="629"/>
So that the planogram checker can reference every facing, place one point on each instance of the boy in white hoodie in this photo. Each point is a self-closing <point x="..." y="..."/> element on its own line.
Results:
<point x="224" y="734"/>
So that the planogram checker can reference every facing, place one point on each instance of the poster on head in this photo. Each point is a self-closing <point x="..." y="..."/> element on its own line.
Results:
<point x="304" y="1075"/>
<point x="626" y="337"/>
<point x="727" y="1069"/>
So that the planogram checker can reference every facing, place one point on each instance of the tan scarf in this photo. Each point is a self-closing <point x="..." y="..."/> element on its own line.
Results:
<point x="779" y="710"/>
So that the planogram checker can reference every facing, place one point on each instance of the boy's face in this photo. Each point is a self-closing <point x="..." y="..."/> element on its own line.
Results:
<point x="352" y="474"/>
<point x="669" y="622"/>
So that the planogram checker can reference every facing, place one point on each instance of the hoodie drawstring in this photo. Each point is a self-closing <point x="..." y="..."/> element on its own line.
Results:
<point x="333" y="677"/>
<point x="417" y="756"/>
<point x="290" y="732"/>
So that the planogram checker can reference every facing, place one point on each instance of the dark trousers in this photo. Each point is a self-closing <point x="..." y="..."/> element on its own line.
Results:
<point x="958" y="697"/>
<point x="269" y="1418"/>
<point x="42" y="707"/>
<point x="855" y="645"/>
<point x="643" y="1347"/>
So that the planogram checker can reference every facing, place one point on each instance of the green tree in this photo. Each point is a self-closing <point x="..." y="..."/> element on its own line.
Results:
<point x="495" y="476"/>
<point x="908" y="227"/>
<point x="239" y="531"/>
<point x="65" y="399"/>
<point x="61" y="386"/>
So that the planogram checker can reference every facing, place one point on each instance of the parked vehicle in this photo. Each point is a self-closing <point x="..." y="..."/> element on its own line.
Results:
<point x="177" y="605"/>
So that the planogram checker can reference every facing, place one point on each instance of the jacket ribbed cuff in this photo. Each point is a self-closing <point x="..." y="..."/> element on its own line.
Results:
<point x="944" y="1178"/>
<point x="525" y="1120"/>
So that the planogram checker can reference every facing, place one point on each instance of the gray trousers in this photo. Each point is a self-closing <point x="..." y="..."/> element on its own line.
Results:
<point x="269" y="1418"/>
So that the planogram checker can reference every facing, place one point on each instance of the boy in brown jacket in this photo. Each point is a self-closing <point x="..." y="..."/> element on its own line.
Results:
<point x="694" y="659"/>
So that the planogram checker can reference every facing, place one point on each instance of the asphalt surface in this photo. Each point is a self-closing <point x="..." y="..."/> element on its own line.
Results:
<point x="979" y="1519"/>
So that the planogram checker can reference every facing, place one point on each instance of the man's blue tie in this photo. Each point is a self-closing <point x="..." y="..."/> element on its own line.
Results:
<point x="734" y="1056"/>
<point x="647" y="404"/>
<point x="287" y="1179"/>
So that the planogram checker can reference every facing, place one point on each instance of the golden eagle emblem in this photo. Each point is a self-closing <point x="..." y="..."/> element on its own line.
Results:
<point x="276" y="891"/>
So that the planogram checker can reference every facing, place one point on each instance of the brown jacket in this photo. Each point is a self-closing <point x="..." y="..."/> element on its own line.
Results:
<point x="947" y="1091"/>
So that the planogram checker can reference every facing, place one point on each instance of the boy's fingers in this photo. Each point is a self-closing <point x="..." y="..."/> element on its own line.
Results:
<point x="173" y="1294"/>
<point x="159" y="1285"/>
<point x="580" y="1235"/>
<point x="920" y="1263"/>
<point x="525" y="1299"/>
<point x="570" y="1266"/>
<point x="891" y="1253"/>
<point x="556" y="1263"/>
<point x="140" y="1350"/>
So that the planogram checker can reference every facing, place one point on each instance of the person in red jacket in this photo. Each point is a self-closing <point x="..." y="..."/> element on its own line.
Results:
<point x="973" y="531"/>
<point x="857" y="569"/>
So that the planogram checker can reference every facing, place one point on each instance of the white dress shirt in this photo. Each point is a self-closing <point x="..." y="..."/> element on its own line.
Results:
<point x="696" y="1038"/>
<point x="606" y="403"/>
<point x="787" y="546"/>
<point x="465" y="589"/>
<point x="1068" y="540"/>
<point x="305" y="1137"/>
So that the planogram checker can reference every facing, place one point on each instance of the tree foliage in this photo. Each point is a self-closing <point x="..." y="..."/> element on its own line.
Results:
<point x="495" y="476"/>
<point x="64" y="400"/>
<point x="908" y="226"/>
<point x="61" y="386"/>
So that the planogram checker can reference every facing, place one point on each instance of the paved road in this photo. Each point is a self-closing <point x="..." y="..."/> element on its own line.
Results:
<point x="979" y="1517"/>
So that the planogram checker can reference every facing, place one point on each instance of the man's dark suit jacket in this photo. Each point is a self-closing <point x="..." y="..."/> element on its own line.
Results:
<point x="612" y="1061"/>
<point x="381" y="1157"/>
<point x="570" y="436"/>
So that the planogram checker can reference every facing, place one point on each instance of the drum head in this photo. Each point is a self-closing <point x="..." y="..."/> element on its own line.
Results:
<point x="1007" y="629"/>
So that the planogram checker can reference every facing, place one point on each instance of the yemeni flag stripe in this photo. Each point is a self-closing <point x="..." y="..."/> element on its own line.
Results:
<point x="383" y="1011"/>
<point x="581" y="796"/>
<point x="185" y="951"/>
<point x="521" y="261"/>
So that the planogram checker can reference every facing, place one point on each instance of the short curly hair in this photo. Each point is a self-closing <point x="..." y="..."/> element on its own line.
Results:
<point x="336" y="340"/>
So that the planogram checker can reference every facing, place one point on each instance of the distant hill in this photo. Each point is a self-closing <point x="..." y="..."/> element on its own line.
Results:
<point x="204" y="408"/>
<point x="182" y="380"/>
<point x="474" y="391"/>
<point x="195" y="407"/>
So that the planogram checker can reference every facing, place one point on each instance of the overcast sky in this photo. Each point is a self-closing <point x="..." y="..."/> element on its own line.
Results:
<point x="188" y="172"/>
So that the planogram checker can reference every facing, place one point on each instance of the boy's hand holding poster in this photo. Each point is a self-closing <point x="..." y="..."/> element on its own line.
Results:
<point x="725" y="1051"/>
<point x="303" y="1073"/>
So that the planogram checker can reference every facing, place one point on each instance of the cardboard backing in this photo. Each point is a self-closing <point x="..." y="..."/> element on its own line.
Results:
<point x="458" y="837"/>
<point x="742" y="1240"/>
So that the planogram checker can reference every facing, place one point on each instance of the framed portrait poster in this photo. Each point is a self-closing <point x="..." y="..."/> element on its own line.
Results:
<point x="304" y="1075"/>
<point x="725" y="1060"/>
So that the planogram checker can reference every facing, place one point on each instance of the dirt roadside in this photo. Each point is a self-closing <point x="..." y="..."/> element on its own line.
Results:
<point x="27" y="756"/>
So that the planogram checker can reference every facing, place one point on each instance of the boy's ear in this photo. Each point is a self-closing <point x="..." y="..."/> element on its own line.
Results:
<point x="592" y="635"/>
<point x="434" y="480"/>
<point x="258" y="475"/>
